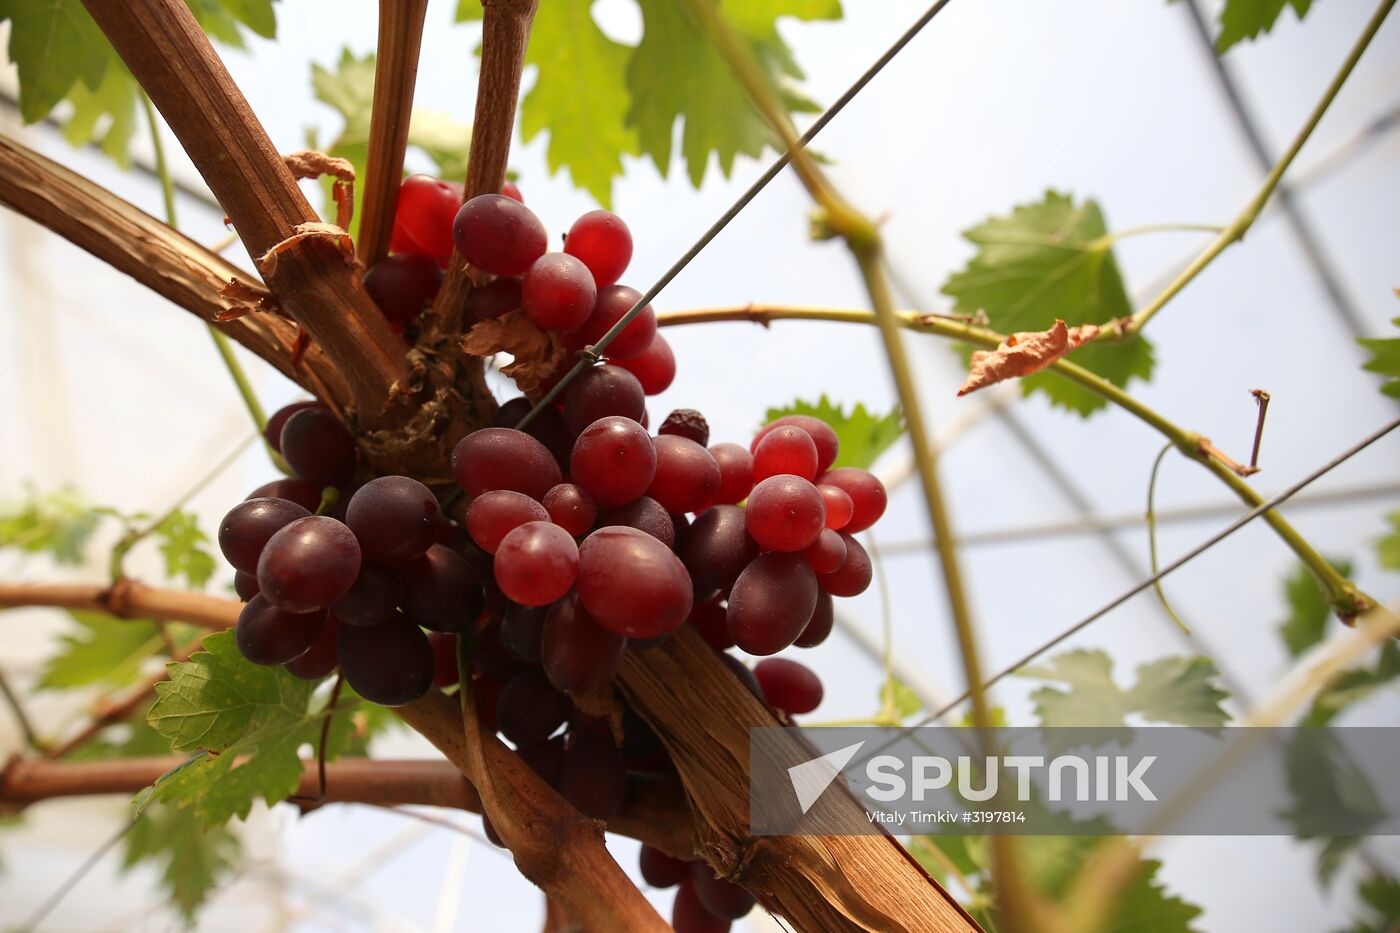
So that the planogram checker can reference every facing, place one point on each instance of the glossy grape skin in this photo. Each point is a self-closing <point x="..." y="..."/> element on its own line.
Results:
<point x="272" y="432"/>
<point x="823" y="618"/>
<point x="522" y="631"/>
<point x="490" y="656"/>
<point x="743" y="673"/>
<point x="267" y="635"/>
<point x="571" y="508"/>
<point x="498" y="234"/>
<point x="512" y="191"/>
<point x="788" y="685"/>
<point x="578" y="655"/>
<point x="867" y="494"/>
<point x="441" y="591"/>
<point x="602" y="392"/>
<point x="547" y="427"/>
<point x="445" y="661"/>
<point x="687" y="423"/>
<point x="711" y="621"/>
<point x="718" y="549"/>
<point x="293" y="490"/>
<point x="245" y="585"/>
<point x="632" y="584"/>
<point x="644" y="514"/>
<point x="530" y="709"/>
<point x="371" y="599"/>
<point x="654" y="367"/>
<point x="687" y="477"/>
<point x="308" y="564"/>
<point x="503" y="458"/>
<point x="785" y="449"/>
<point x="785" y="513"/>
<point x="827" y="553"/>
<point x="403" y="285"/>
<point x="614" y="301"/>
<point x="828" y="445"/>
<point x="688" y="915"/>
<point x="613" y="460"/>
<point x="594" y="776"/>
<point x="391" y="663"/>
<point x="537" y="563"/>
<point x="603" y="243"/>
<point x="495" y="298"/>
<point x="247" y="527"/>
<point x="771" y="603"/>
<point x="721" y="898"/>
<point x="395" y="518"/>
<point x="735" y="473"/>
<point x="424" y="213"/>
<point x="557" y="291"/>
<point x="320" y="659"/>
<point x="319" y="448"/>
<point x="493" y="515"/>
<point x="839" y="507"/>
<point x="854" y="575"/>
<point x="661" y="870"/>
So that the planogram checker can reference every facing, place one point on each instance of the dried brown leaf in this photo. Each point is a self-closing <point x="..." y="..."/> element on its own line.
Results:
<point x="537" y="355"/>
<point x="1024" y="353"/>
<point x="267" y="263"/>
<point x="245" y="298"/>
<point x="312" y="164"/>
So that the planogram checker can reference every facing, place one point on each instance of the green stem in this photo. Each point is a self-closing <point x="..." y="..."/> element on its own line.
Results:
<point x="26" y="727"/>
<point x="1108" y="239"/>
<point x="1152" y="535"/>
<point x="1241" y="224"/>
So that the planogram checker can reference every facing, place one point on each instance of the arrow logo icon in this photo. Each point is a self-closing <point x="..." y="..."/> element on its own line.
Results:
<point x="811" y="778"/>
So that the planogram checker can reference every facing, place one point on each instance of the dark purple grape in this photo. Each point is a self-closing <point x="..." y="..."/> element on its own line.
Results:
<point x="718" y="548"/>
<point x="403" y="285"/>
<point x="721" y="898"/>
<point x="688" y="915"/>
<point x="391" y="663"/>
<point x="245" y="585"/>
<point x="503" y="458"/>
<point x="712" y="622"/>
<point x="441" y="591"/>
<point x="530" y="709"/>
<point x="687" y="423"/>
<point x="498" y="234"/>
<point x="249" y="525"/>
<point x="579" y="656"/>
<point x="293" y="490"/>
<point x="272" y="431"/>
<point x="855" y="572"/>
<point x="745" y="675"/>
<point x="788" y="686"/>
<point x="319" y="448"/>
<point x="493" y="299"/>
<point x="545" y="758"/>
<point x="522" y="629"/>
<point x="823" y="618"/>
<point x="371" y="599"/>
<point x="601" y="392"/>
<point x="267" y="635"/>
<point x="490" y="656"/>
<point x="320" y="659"/>
<point x="394" y="517"/>
<point x="644" y="514"/>
<point x="594" y="776"/>
<point x="772" y="602"/>
<point x="308" y="564"/>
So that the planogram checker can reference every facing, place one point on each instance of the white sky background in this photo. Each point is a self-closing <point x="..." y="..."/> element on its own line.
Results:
<point x="113" y="390"/>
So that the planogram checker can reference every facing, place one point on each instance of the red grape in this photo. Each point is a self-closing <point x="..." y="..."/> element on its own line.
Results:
<point x="632" y="584"/>
<point x="571" y="508"/>
<point x="735" y="473"/>
<point x="613" y="460"/>
<point x="245" y="585"/>
<point x="603" y="243"/>
<point x="742" y="672"/>
<point x="272" y="432"/>
<point x="530" y="709"/>
<point x="318" y="447"/>
<point x="839" y="506"/>
<point x="644" y="514"/>
<point x="687" y="477"/>
<point x="493" y="299"/>
<point x="391" y="663"/>
<point x="579" y="656"/>
<point x="498" y="234"/>
<point x="654" y="367"/>
<point x="293" y="490"/>
<point x="788" y="686"/>
<point x="712" y="623"/>
<point x="486" y="694"/>
<point x="785" y="513"/>
<point x="403" y="285"/>
<point x="490" y="657"/>
<point x="522" y="631"/>
<point x="867" y="496"/>
<point x="536" y="563"/>
<point x="828" y="445"/>
<point x="395" y="518"/>
<point x="495" y="514"/>
<point x="688" y="915"/>
<point x="308" y="564"/>
<point x="771" y="603"/>
<point x="371" y="599"/>
<point x="445" y="661"/>
<point x="687" y="423"/>
<point x="424" y="213"/>
<point x="557" y="292"/>
<point x="247" y="527"/>
<point x="718" y="549"/>
<point x="503" y="458"/>
<point x="827" y="553"/>
<point x="661" y="870"/>
<point x="853" y="576"/>
<point x="823" y="617"/>
<point x="318" y="660"/>
<point x="594" y="776"/>
<point x="510" y="190"/>
<point x="721" y="898"/>
<point x="545" y="758"/>
<point x="441" y="591"/>
<point x="268" y="635"/>
<point x="602" y="392"/>
<point x="785" y="449"/>
<point x="613" y="302"/>
<point x="547" y="427"/>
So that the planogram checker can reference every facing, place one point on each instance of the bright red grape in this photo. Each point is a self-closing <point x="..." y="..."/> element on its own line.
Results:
<point x="579" y="656"/>
<point x="536" y="563"/>
<point x="557" y="292"/>
<point x="424" y="213"/>
<point x="735" y="473"/>
<point x="603" y="243"/>
<point x="788" y="685"/>
<point x="268" y="635"/>
<point x="441" y="591"/>
<point x="839" y="506"/>
<point x="718" y="548"/>
<point x="319" y="448"/>
<point x="644" y="514"/>
<point x="498" y="234"/>
<point x="654" y="367"/>
<point x="632" y="584"/>
<point x="661" y="870"/>
<point x="571" y="508"/>
<point x="503" y="458"/>
<point x="613" y="460"/>
<point x="395" y="518"/>
<point x="687" y="477"/>
<point x="771" y="603"/>
<point x="614" y="301"/>
<point x="308" y="564"/>
<point x="247" y="527"/>
<point x="403" y="285"/>
<point x="828" y="445"/>
<point x="853" y="576"/>
<point x="391" y="663"/>
<point x="547" y="427"/>
<point x="827" y="553"/>
<point x="495" y="514"/>
<point x="785" y="449"/>
<point x="867" y="494"/>
<point x="510" y="190"/>
<point x="785" y="513"/>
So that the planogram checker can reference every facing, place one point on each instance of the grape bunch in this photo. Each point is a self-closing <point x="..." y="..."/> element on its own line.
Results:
<point x="705" y="903"/>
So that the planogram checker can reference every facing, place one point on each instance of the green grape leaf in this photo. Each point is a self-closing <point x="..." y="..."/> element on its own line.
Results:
<point x="1354" y="686"/>
<point x="470" y="11"/>
<point x="104" y="650"/>
<point x="222" y="20"/>
<point x="1181" y="691"/>
<point x="862" y="434"/>
<point x="1388" y="547"/>
<point x="105" y="116"/>
<point x="1047" y="261"/>
<point x="676" y="74"/>
<point x="245" y="723"/>
<point x="1308" y="610"/>
<point x="55" y="44"/>
<point x="899" y="697"/>
<point x="57" y="523"/>
<point x="584" y="116"/>
<point x="1249" y="19"/>
<point x="182" y="545"/>
<point x="192" y="859"/>
<point x="1385" y="359"/>
<point x="1380" y="899"/>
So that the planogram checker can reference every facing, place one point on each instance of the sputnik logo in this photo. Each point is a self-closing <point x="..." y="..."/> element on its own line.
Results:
<point x="811" y="778"/>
